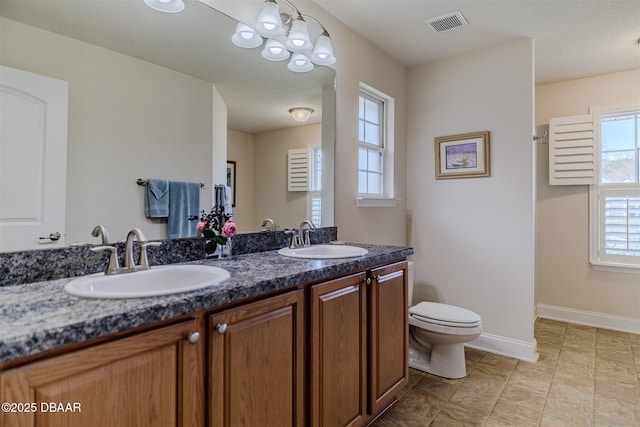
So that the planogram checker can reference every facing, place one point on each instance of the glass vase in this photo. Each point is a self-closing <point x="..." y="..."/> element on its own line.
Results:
<point x="225" y="251"/>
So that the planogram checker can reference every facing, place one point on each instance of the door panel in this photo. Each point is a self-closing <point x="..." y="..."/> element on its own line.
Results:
<point x="33" y="159"/>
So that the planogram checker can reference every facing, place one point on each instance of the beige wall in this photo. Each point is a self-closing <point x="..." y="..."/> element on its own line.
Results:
<point x="262" y="175"/>
<point x="240" y="148"/>
<point x="270" y="195"/>
<point x="564" y="276"/>
<point x="128" y="119"/>
<point x="474" y="237"/>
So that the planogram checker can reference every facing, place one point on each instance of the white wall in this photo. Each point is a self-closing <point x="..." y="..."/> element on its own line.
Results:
<point x="128" y="119"/>
<point x="567" y="287"/>
<point x="474" y="237"/>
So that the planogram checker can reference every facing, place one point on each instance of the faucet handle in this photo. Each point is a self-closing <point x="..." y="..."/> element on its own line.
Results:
<point x="143" y="262"/>
<point x="295" y="238"/>
<point x="113" y="265"/>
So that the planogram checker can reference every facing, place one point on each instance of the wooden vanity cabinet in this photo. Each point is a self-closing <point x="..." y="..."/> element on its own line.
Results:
<point x="359" y="346"/>
<point x="145" y="380"/>
<point x="327" y="355"/>
<point x="257" y="364"/>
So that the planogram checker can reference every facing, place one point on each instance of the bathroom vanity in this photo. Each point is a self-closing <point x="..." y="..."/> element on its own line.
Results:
<point x="283" y="342"/>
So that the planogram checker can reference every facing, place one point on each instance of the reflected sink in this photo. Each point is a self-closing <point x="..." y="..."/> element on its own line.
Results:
<point x="324" y="251"/>
<point x="159" y="280"/>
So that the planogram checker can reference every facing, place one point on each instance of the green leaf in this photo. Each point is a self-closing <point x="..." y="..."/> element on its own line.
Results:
<point x="221" y="240"/>
<point x="208" y="233"/>
<point x="211" y="246"/>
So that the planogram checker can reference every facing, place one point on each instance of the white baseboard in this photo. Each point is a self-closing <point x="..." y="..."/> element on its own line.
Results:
<point x="589" y="318"/>
<point x="517" y="349"/>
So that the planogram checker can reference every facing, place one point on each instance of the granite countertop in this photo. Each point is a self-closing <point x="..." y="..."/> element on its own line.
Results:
<point x="40" y="316"/>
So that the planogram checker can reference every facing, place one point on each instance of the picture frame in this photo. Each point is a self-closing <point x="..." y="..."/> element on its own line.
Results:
<point x="463" y="156"/>
<point x="231" y="180"/>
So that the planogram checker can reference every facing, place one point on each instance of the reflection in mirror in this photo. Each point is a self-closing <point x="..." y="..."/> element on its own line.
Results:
<point x="155" y="95"/>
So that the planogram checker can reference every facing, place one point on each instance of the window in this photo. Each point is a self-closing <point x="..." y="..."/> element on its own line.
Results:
<point x="375" y="148"/>
<point x="314" y="196"/>
<point x="615" y="197"/>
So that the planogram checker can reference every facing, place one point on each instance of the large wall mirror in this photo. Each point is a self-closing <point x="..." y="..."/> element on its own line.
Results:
<point x="144" y="92"/>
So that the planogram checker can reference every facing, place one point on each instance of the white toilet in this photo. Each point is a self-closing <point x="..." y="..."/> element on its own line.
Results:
<point x="437" y="333"/>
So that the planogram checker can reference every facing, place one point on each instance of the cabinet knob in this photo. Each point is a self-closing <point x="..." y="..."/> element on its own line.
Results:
<point x="367" y="280"/>
<point x="193" y="337"/>
<point x="221" y="328"/>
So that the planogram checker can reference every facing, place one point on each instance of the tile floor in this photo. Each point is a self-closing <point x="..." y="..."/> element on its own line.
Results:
<point x="584" y="377"/>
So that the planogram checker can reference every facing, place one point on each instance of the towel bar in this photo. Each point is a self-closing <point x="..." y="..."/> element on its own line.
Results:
<point x="144" y="182"/>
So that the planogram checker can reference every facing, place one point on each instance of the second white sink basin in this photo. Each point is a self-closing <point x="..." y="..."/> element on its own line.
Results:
<point x="160" y="280"/>
<point x="324" y="251"/>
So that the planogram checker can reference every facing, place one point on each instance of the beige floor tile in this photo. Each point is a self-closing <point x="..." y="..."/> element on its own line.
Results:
<point x="558" y="407"/>
<point x="616" y="412"/>
<point x="549" y="421"/>
<point x="622" y="390"/>
<point x="519" y="405"/>
<point x="584" y="377"/>
<point x="441" y="388"/>
<point x="578" y="394"/>
<point x="414" y="409"/>
<point x="494" y="422"/>
<point x="534" y="381"/>
<point x="480" y="394"/>
<point x="453" y="416"/>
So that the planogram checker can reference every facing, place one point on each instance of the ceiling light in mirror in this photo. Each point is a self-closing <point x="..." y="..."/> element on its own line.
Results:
<point x="300" y="63"/>
<point x="246" y="36"/>
<point x="298" y="39"/>
<point x="301" y="114"/>
<point x="269" y="22"/>
<point x="167" y="6"/>
<point x="275" y="51"/>
<point x="286" y="34"/>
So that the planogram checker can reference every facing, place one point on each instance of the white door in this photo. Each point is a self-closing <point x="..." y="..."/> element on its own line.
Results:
<point x="33" y="160"/>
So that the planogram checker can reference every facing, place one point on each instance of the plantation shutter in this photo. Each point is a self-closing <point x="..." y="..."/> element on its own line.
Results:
<point x="572" y="154"/>
<point x="298" y="169"/>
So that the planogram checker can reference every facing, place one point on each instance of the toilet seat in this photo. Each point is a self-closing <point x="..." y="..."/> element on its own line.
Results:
<point x="444" y="315"/>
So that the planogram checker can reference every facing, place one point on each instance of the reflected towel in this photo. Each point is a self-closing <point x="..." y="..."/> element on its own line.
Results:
<point x="156" y="200"/>
<point x="184" y="203"/>
<point x="223" y="198"/>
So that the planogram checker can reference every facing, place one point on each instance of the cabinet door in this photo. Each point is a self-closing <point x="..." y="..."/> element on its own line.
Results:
<point x="256" y="366"/>
<point x="338" y="352"/>
<point x="145" y="380"/>
<point x="388" y="335"/>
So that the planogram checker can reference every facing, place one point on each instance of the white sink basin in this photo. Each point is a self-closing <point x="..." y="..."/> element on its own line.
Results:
<point x="324" y="251"/>
<point x="160" y="280"/>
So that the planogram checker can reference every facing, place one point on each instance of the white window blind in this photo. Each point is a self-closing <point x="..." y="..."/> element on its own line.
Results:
<point x="298" y="169"/>
<point x="572" y="154"/>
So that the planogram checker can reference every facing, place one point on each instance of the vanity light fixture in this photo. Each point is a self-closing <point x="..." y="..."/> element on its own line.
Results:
<point x="301" y="114"/>
<point x="168" y="6"/>
<point x="287" y="36"/>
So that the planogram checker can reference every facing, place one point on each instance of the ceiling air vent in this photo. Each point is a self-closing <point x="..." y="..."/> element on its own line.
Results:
<point x="447" y="22"/>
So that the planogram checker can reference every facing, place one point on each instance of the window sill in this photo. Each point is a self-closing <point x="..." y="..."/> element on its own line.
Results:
<point x="373" y="202"/>
<point x="616" y="268"/>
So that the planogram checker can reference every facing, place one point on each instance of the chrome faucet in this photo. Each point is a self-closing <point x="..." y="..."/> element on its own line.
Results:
<point x="129" y="266"/>
<point x="100" y="231"/>
<point x="269" y="224"/>
<point x="303" y="235"/>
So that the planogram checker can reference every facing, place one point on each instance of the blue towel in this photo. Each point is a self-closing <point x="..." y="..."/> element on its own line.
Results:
<point x="157" y="198"/>
<point x="184" y="202"/>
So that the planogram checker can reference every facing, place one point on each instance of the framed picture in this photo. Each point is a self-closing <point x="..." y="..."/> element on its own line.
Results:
<point x="231" y="180"/>
<point x="462" y="156"/>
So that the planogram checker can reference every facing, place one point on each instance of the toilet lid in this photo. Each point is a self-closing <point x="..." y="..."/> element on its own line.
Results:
<point x="445" y="313"/>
